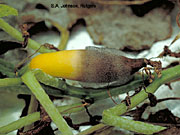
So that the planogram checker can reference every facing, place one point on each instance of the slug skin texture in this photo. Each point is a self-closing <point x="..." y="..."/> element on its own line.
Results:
<point x="91" y="65"/>
<point x="105" y="67"/>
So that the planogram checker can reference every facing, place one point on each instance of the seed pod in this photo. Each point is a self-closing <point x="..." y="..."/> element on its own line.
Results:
<point x="93" y="65"/>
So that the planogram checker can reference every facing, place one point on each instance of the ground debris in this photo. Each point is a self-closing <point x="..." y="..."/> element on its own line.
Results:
<point x="114" y="26"/>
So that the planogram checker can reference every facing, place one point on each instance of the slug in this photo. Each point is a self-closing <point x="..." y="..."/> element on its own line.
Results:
<point x="91" y="65"/>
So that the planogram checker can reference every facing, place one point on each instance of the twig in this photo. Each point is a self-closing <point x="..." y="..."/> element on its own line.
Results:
<point x="17" y="35"/>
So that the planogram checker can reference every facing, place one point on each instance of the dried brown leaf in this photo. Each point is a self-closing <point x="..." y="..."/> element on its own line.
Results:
<point x="113" y="26"/>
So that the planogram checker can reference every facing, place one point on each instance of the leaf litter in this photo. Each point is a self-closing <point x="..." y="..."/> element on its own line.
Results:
<point x="113" y="26"/>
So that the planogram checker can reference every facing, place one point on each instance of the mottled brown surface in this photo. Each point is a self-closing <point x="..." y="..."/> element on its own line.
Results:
<point x="103" y="66"/>
<point x="126" y="30"/>
<point x="114" y="26"/>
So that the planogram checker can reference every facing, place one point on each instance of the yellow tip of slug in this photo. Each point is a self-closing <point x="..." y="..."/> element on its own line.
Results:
<point x="65" y="64"/>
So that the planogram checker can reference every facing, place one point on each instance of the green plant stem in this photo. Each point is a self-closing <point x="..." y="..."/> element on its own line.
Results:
<point x="131" y="125"/>
<point x="32" y="108"/>
<point x="7" y="68"/>
<point x="6" y="71"/>
<point x="64" y="35"/>
<point x="95" y="94"/>
<point x="30" y="80"/>
<point x="33" y="105"/>
<point x="91" y="130"/>
<point x="168" y="75"/>
<point x="24" y="121"/>
<point x="6" y="10"/>
<point x="7" y="82"/>
<point x="60" y="88"/>
<point x="15" y="85"/>
<point x="111" y="116"/>
<point x="17" y="35"/>
<point x="6" y="64"/>
<point x="64" y="40"/>
<point x="31" y="118"/>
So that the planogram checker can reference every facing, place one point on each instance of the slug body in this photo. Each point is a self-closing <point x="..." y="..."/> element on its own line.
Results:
<point x="97" y="65"/>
